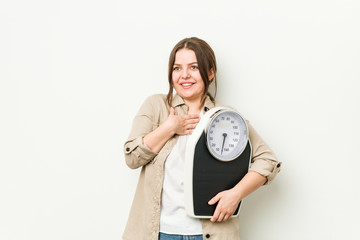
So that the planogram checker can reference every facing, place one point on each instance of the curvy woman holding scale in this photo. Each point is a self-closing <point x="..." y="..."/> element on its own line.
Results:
<point x="157" y="143"/>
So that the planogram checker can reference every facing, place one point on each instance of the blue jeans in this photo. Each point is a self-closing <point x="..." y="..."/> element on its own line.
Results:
<point x="164" y="236"/>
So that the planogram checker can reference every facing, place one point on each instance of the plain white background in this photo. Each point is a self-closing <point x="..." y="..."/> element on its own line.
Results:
<point x="74" y="73"/>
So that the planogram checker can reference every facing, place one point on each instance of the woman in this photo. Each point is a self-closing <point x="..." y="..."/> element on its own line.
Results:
<point x="157" y="144"/>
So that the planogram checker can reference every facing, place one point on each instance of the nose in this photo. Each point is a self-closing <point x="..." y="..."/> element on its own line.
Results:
<point x="185" y="74"/>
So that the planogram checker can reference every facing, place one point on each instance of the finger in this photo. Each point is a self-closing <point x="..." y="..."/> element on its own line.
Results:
<point x="189" y="132"/>
<point x="221" y="217"/>
<point x="214" y="199"/>
<point x="216" y="214"/>
<point x="192" y="121"/>
<point x="226" y="217"/>
<point x="191" y="126"/>
<point x="186" y="132"/>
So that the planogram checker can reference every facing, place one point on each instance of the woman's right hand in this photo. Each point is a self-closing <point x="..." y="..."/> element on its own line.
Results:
<point x="182" y="125"/>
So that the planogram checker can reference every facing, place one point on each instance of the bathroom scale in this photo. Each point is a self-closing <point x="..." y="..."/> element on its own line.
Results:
<point x="217" y="157"/>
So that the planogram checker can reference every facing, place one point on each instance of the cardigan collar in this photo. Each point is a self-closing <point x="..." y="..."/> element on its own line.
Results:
<point x="179" y="101"/>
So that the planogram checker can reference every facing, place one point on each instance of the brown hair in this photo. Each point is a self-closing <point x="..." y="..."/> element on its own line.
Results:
<point x="206" y="62"/>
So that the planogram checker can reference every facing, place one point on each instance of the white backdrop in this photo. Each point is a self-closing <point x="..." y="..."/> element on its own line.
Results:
<point x="74" y="73"/>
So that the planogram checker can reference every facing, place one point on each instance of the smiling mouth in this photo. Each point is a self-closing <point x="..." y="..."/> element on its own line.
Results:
<point x="186" y="84"/>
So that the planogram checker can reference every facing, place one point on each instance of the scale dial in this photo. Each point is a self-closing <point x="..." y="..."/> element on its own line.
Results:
<point x="227" y="135"/>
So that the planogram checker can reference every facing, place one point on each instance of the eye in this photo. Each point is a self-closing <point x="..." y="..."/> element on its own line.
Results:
<point x="194" y="67"/>
<point x="176" y="68"/>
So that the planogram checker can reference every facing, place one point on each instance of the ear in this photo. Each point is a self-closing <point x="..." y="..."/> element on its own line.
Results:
<point x="211" y="75"/>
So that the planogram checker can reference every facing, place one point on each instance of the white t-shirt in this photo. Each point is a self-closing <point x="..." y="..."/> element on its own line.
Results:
<point x="173" y="218"/>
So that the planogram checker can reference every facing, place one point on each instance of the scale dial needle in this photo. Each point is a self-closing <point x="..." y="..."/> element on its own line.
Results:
<point x="222" y="148"/>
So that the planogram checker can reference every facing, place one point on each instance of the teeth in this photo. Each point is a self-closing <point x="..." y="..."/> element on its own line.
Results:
<point x="186" y="84"/>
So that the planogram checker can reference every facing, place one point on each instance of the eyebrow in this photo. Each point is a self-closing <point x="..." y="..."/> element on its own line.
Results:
<point x="188" y="64"/>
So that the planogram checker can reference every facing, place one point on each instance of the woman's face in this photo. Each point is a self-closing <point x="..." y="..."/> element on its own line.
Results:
<point x="186" y="76"/>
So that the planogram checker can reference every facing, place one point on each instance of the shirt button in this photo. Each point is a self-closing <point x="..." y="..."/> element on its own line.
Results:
<point x="278" y="165"/>
<point x="127" y="149"/>
<point x="207" y="235"/>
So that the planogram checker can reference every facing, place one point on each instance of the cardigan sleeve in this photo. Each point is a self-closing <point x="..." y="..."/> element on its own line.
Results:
<point x="263" y="159"/>
<point x="137" y="154"/>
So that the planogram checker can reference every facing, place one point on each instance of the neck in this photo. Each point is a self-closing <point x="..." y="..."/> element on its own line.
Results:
<point x="194" y="107"/>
